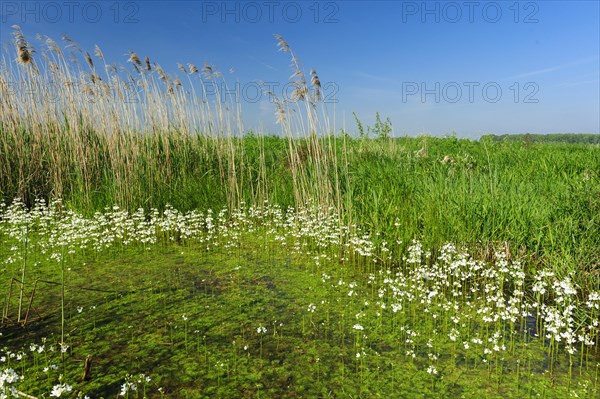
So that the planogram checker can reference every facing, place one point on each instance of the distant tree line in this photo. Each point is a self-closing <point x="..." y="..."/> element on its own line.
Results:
<point x="573" y="138"/>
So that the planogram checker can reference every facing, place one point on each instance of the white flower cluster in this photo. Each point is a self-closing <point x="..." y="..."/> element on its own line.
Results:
<point x="59" y="389"/>
<point x="8" y="377"/>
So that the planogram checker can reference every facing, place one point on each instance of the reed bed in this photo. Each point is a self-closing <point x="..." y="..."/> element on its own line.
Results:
<point x="80" y="128"/>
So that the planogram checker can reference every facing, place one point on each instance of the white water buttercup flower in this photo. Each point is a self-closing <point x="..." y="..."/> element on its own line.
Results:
<point x="59" y="389"/>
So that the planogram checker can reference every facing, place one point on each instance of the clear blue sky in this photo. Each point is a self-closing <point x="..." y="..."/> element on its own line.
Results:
<point x="432" y="67"/>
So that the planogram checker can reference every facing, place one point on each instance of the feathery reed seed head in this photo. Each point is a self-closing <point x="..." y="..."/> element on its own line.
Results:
<point x="207" y="69"/>
<point x="98" y="53"/>
<point x="24" y="56"/>
<point x="89" y="60"/>
<point x="71" y="43"/>
<point x="133" y="57"/>
<point x="161" y="73"/>
<point x="23" y="50"/>
<point x="282" y="44"/>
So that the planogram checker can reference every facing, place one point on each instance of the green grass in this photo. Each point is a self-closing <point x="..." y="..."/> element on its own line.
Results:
<point x="580" y="138"/>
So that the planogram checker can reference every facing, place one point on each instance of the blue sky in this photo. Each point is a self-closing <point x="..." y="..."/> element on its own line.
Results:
<point x="433" y="67"/>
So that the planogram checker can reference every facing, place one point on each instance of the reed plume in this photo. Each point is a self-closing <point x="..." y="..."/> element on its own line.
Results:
<point x="24" y="51"/>
<point x="133" y="58"/>
<point x="98" y="53"/>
